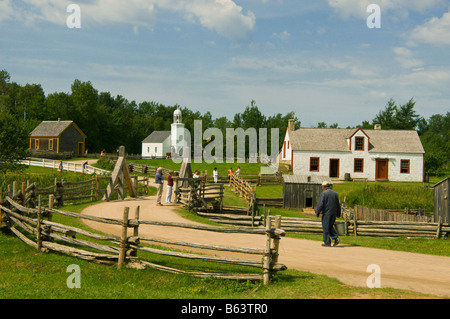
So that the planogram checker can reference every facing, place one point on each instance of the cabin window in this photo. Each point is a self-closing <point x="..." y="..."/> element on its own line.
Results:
<point x="36" y="144"/>
<point x="314" y="164"/>
<point x="50" y="144"/>
<point x="404" y="166"/>
<point x="358" y="165"/>
<point x="359" y="143"/>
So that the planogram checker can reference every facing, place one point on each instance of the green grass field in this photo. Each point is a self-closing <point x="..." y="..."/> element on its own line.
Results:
<point x="27" y="274"/>
<point x="222" y="168"/>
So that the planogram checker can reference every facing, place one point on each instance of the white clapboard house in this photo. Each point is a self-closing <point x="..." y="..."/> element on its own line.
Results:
<point x="357" y="154"/>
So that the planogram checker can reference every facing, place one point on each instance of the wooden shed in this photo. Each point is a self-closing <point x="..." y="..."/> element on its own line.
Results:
<point x="441" y="201"/>
<point x="301" y="191"/>
<point x="58" y="137"/>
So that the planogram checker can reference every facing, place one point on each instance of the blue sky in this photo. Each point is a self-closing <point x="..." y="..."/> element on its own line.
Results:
<point x="316" y="58"/>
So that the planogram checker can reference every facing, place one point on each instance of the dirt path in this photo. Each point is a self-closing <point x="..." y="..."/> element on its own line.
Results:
<point x="402" y="270"/>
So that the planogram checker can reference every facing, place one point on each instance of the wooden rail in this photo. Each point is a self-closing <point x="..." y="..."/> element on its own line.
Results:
<point x="407" y="215"/>
<point x="195" y="193"/>
<point x="354" y="227"/>
<point x="148" y="170"/>
<point x="66" y="166"/>
<point x="46" y="235"/>
<point x="60" y="191"/>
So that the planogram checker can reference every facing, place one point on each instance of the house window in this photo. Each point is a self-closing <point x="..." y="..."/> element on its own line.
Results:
<point x="156" y="150"/>
<point x="359" y="143"/>
<point x="358" y="166"/>
<point x="314" y="164"/>
<point x="50" y="144"/>
<point x="36" y="144"/>
<point x="404" y="166"/>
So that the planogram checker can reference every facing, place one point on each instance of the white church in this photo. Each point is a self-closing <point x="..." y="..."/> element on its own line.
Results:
<point x="159" y="144"/>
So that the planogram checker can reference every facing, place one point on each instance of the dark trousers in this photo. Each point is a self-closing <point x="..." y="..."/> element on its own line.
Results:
<point x="328" y="230"/>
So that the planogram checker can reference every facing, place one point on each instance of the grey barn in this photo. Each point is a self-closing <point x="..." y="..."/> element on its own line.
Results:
<point x="441" y="201"/>
<point x="301" y="191"/>
<point x="58" y="137"/>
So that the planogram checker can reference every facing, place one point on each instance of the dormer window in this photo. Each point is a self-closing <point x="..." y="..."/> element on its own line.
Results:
<point x="359" y="143"/>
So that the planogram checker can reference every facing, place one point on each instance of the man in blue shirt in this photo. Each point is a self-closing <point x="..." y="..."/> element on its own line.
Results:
<point x="159" y="185"/>
<point x="328" y="204"/>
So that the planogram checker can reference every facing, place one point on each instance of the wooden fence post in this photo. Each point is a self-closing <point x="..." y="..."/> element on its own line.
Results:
<point x="267" y="254"/>
<point x="13" y="189"/>
<point x="97" y="186"/>
<point x="38" y="227"/>
<point x="23" y="194"/>
<point x="136" y="231"/>
<point x="276" y="241"/>
<point x="123" y="240"/>
<point x="50" y="206"/>
<point x="438" y="231"/>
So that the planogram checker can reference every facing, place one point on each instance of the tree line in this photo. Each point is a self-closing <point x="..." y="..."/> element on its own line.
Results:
<point x="110" y="121"/>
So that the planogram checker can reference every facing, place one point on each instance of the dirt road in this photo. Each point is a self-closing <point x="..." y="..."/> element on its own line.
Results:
<point x="402" y="270"/>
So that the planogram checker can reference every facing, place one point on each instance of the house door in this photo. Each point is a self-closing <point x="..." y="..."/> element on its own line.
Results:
<point x="381" y="169"/>
<point x="80" y="148"/>
<point x="334" y="168"/>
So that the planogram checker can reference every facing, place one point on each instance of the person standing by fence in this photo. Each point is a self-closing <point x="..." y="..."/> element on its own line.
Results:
<point x="159" y="185"/>
<point x="328" y="204"/>
<point x="230" y="172"/>
<point x="169" y="187"/>
<point x="215" y="174"/>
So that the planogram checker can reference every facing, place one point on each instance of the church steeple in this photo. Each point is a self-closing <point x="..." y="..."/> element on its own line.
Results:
<point x="177" y="116"/>
<point x="177" y="133"/>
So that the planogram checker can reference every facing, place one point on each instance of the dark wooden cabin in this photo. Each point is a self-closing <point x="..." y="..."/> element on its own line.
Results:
<point x="302" y="191"/>
<point x="58" y="137"/>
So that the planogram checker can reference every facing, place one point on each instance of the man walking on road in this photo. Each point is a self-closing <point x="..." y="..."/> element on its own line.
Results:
<point x="159" y="185"/>
<point x="328" y="204"/>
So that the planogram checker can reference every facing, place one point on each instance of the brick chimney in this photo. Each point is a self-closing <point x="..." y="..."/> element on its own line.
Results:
<point x="291" y="125"/>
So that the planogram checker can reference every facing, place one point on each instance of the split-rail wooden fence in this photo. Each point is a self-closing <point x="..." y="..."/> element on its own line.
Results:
<point x="66" y="191"/>
<point x="350" y="226"/>
<point x="35" y="227"/>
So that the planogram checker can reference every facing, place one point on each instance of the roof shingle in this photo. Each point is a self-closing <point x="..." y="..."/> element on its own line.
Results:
<point x="157" y="137"/>
<point x="381" y="141"/>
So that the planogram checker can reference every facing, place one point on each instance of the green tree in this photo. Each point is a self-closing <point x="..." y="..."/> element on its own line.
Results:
<point x="435" y="139"/>
<point x="402" y="117"/>
<point x="13" y="141"/>
<point x="85" y="100"/>
<point x="5" y="77"/>
<point x="30" y="102"/>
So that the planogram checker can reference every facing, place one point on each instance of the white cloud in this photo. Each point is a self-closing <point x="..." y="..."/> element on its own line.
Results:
<point x="284" y="36"/>
<point x="436" y="31"/>
<point x="406" y="58"/>
<point x="224" y="17"/>
<point x="6" y="10"/>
